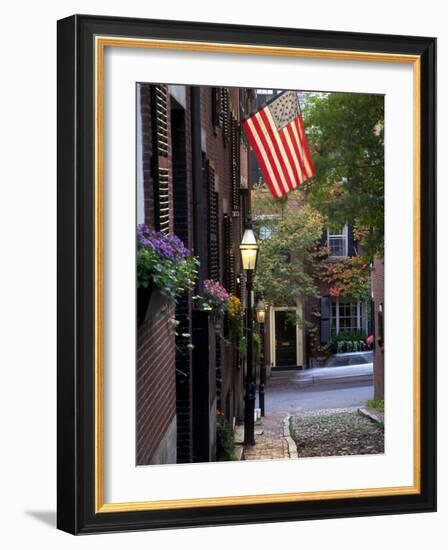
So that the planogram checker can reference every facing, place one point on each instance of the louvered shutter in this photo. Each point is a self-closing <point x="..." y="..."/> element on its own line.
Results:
<point x="213" y="233"/>
<point x="324" y="238"/>
<point x="226" y="114"/>
<point x="325" y="310"/>
<point x="159" y="103"/>
<point x="351" y="242"/>
<point x="236" y="143"/>
<point x="229" y="278"/>
<point x="216" y="108"/>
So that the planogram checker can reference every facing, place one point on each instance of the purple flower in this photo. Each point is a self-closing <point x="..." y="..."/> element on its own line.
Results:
<point x="165" y="246"/>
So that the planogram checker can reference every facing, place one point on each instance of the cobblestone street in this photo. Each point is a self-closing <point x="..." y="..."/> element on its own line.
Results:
<point x="336" y="432"/>
<point x="323" y="417"/>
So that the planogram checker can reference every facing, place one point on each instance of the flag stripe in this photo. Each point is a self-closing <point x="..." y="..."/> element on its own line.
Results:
<point x="267" y="143"/>
<point x="277" y="136"/>
<point x="309" y="172"/>
<point x="295" y="129"/>
<point x="305" y="146"/>
<point x="294" y="138"/>
<point x="278" y="145"/>
<point x="291" y="157"/>
<point x="299" y="168"/>
<point x="264" y="150"/>
<point x="262" y="157"/>
<point x="272" y="149"/>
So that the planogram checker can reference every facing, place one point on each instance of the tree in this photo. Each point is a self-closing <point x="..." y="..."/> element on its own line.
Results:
<point x="346" y="134"/>
<point x="285" y="264"/>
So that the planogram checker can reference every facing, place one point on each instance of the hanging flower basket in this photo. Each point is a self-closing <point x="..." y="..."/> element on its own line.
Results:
<point x="165" y="270"/>
<point x="216" y="299"/>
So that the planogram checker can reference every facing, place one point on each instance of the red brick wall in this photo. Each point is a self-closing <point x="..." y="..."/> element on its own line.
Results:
<point x="156" y="383"/>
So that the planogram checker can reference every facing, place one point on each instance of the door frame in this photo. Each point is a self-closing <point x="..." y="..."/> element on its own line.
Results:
<point x="272" y="333"/>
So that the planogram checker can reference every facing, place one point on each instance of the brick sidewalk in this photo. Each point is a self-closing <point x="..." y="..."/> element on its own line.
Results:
<point x="271" y="444"/>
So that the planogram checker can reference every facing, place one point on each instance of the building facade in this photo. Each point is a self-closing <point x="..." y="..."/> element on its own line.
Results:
<point x="192" y="181"/>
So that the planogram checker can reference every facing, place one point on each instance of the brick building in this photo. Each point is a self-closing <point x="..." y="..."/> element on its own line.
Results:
<point x="289" y="344"/>
<point x="193" y="181"/>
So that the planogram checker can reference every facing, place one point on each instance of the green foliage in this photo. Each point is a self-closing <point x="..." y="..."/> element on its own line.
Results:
<point x="346" y="135"/>
<point x="346" y="342"/>
<point x="242" y="347"/>
<point x="284" y="269"/>
<point x="224" y="438"/>
<point x="377" y="404"/>
<point x="172" y="278"/>
<point x="349" y="277"/>
<point x="257" y="343"/>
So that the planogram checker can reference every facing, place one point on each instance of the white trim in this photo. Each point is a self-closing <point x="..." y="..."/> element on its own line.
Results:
<point x="361" y="317"/>
<point x="344" y="235"/>
<point x="140" y="184"/>
<point x="123" y="481"/>
<point x="299" y="333"/>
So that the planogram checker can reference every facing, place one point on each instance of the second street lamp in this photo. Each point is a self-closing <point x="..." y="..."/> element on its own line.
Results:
<point x="261" y="312"/>
<point x="249" y="250"/>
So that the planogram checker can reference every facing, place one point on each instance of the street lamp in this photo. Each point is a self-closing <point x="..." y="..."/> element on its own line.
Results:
<point x="261" y="312"/>
<point x="249" y="250"/>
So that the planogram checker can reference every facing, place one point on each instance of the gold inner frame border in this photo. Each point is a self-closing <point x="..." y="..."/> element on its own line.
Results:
<point x="101" y="42"/>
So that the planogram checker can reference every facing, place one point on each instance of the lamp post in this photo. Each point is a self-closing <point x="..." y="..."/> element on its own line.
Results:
<point x="261" y="312"/>
<point x="261" y="317"/>
<point x="249" y="250"/>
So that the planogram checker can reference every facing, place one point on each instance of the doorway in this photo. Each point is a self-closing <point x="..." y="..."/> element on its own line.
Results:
<point x="285" y="340"/>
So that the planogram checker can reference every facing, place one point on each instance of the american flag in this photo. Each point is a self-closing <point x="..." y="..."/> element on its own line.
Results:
<point x="277" y="136"/>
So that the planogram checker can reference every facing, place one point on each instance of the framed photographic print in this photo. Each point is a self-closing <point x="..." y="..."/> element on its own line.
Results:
<point x="246" y="274"/>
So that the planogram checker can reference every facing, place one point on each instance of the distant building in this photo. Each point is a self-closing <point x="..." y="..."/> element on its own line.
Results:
<point x="291" y="344"/>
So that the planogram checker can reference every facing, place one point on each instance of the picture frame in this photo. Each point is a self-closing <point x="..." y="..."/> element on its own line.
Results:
<point x="82" y="41"/>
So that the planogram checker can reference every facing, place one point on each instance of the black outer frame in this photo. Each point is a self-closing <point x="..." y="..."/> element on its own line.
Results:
<point x="75" y="403"/>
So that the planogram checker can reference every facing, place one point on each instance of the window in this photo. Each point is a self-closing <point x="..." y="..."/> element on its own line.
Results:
<point x="347" y="316"/>
<point x="265" y="232"/>
<point x="338" y="242"/>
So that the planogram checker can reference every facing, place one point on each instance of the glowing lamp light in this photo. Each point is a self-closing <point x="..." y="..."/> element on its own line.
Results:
<point x="249" y="249"/>
<point x="260" y="311"/>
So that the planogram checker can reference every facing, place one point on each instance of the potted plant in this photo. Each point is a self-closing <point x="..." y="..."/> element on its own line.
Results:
<point x="165" y="269"/>
<point x="234" y="316"/>
<point x="216" y="299"/>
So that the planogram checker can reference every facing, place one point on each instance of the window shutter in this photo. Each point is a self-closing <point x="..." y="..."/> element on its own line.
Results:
<point x="324" y="238"/>
<point x="351" y="242"/>
<point x="325" y="307"/>
<point x="229" y="255"/>
<point x="235" y="168"/>
<point x="213" y="233"/>
<point x="226" y="113"/>
<point x="159" y="106"/>
<point x="216" y="108"/>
